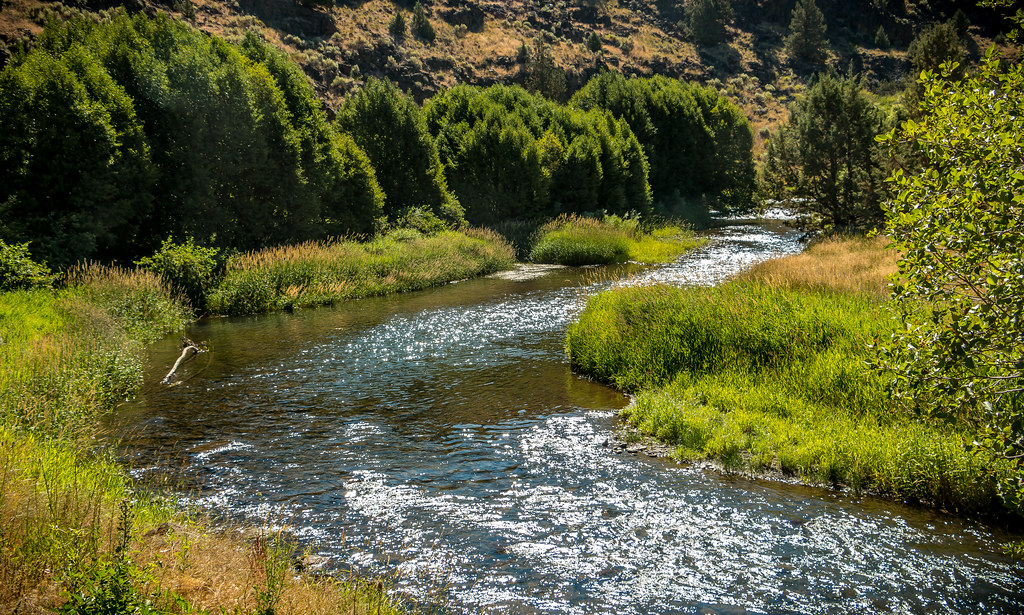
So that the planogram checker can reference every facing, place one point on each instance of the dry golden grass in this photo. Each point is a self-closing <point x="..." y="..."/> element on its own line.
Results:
<point x="60" y="515"/>
<point x="846" y="264"/>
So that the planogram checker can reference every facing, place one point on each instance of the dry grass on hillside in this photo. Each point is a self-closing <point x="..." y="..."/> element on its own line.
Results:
<point x="847" y="264"/>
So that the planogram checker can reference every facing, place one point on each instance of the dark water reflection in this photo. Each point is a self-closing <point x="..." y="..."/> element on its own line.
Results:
<point x="442" y="434"/>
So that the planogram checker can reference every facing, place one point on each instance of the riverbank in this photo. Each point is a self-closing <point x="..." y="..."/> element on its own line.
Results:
<point x="767" y="373"/>
<point x="575" y="241"/>
<point x="78" y="535"/>
<point x="317" y="273"/>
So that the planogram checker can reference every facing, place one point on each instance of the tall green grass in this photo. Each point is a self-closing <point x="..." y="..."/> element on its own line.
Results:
<point x="766" y="378"/>
<point x="576" y="241"/>
<point x="317" y="273"/>
<point x="76" y="536"/>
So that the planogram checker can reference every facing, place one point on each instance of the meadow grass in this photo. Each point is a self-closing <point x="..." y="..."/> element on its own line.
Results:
<point x="323" y="273"/>
<point x="76" y="535"/>
<point x="576" y="241"/>
<point x="769" y="373"/>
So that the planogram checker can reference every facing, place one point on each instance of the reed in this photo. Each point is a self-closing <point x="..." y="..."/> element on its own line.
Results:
<point x="77" y="535"/>
<point x="858" y="265"/>
<point x="772" y="375"/>
<point x="323" y="273"/>
<point x="575" y="241"/>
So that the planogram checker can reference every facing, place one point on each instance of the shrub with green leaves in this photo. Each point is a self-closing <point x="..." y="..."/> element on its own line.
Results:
<point x="19" y="272"/>
<point x="958" y="221"/>
<point x="186" y="268"/>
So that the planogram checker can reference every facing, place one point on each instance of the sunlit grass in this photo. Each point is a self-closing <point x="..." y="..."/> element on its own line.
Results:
<point x="73" y="526"/>
<point x="844" y="264"/>
<point x="772" y="376"/>
<point x="318" y="273"/>
<point x="576" y="241"/>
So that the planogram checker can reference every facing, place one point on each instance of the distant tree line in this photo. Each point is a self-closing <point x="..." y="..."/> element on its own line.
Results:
<point x="123" y="131"/>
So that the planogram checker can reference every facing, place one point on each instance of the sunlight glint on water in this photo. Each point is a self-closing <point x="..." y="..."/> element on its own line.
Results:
<point x="441" y="435"/>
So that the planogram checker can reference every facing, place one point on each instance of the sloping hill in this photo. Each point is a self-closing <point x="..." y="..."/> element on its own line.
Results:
<point x="481" y="42"/>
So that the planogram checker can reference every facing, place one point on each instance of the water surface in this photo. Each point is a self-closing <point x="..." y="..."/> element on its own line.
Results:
<point x="441" y="435"/>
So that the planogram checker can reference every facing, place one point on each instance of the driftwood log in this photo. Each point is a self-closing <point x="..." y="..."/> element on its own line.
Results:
<point x="188" y="349"/>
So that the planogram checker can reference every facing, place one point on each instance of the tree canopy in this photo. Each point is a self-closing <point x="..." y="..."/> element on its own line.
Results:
<point x="959" y="224"/>
<point x="127" y="130"/>
<point x="513" y="154"/>
<point x="825" y="162"/>
<point x="390" y="128"/>
<point x="697" y="143"/>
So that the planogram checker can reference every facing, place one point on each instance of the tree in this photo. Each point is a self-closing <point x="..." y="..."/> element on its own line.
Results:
<point x="825" y="162"/>
<point x="706" y="20"/>
<point x="390" y="128"/>
<point x="697" y="143"/>
<point x="806" y="40"/>
<point x="594" y="42"/>
<point x="882" y="39"/>
<point x="75" y="162"/>
<point x="936" y="45"/>
<point x="421" y="26"/>
<point x="542" y="76"/>
<point x="397" y="27"/>
<point x="959" y="224"/>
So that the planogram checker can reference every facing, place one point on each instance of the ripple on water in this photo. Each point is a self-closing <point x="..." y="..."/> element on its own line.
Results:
<point x="441" y="436"/>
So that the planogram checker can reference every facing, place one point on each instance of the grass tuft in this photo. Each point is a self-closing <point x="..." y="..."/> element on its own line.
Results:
<point x="318" y="273"/>
<point x="576" y="241"/>
<point x="769" y="373"/>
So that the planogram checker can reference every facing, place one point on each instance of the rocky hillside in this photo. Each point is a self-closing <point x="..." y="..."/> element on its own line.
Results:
<point x="495" y="41"/>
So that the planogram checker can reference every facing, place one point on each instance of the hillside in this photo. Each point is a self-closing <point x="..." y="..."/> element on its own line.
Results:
<point x="340" y="45"/>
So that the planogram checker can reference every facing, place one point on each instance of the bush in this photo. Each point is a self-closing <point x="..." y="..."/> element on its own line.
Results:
<point x="578" y="241"/>
<point x="19" y="272"/>
<point x="186" y="268"/>
<point x="882" y="39"/>
<point x="594" y="42"/>
<point x="397" y="26"/>
<point x="421" y="26"/>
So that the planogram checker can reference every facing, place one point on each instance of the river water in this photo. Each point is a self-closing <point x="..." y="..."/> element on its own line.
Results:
<point x="440" y="436"/>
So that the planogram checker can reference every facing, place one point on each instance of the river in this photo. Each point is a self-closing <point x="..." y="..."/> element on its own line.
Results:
<point x="440" y="437"/>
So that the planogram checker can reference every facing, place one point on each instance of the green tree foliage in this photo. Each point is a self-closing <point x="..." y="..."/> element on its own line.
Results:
<point x="76" y="168"/>
<point x="131" y="110"/>
<point x="542" y="76"/>
<point x="706" y="20"/>
<point x="806" y="40"/>
<point x="19" y="272"/>
<point x="594" y="42"/>
<point x="390" y="128"/>
<point x="931" y="48"/>
<point x="882" y="39"/>
<point x="934" y="46"/>
<point x="698" y="144"/>
<point x="825" y="162"/>
<point x="186" y="268"/>
<point x="513" y="154"/>
<point x="421" y="26"/>
<point x="397" y="27"/>
<point x="959" y="224"/>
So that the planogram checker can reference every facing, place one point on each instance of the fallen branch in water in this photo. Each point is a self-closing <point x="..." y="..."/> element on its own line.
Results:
<point x="188" y="348"/>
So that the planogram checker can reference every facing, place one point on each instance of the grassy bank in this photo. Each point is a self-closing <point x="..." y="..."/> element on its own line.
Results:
<point x="76" y="535"/>
<point x="315" y="273"/>
<point x="575" y="241"/>
<point x="768" y="373"/>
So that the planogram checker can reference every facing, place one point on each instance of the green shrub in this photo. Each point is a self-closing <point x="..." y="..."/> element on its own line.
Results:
<point x="421" y="26"/>
<point x="882" y="39"/>
<point x="576" y="241"/>
<point x="397" y="26"/>
<point x="19" y="272"/>
<point x="186" y="268"/>
<point x="594" y="42"/>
